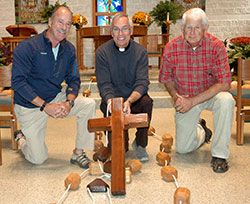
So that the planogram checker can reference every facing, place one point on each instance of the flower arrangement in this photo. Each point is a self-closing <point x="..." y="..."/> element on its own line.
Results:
<point x="5" y="54"/>
<point x="79" y="21"/>
<point x="238" y="47"/>
<point x="141" y="18"/>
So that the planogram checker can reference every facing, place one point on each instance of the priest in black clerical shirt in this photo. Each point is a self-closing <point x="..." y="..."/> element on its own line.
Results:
<point x="122" y="71"/>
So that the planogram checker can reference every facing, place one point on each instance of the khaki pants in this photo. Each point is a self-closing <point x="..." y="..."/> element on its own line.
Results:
<point x="190" y="135"/>
<point x="34" y="123"/>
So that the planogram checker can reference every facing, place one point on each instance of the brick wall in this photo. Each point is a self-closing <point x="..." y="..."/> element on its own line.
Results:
<point x="227" y="19"/>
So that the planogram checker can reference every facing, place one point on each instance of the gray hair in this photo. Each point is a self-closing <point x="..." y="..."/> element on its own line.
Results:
<point x="119" y="15"/>
<point x="196" y="14"/>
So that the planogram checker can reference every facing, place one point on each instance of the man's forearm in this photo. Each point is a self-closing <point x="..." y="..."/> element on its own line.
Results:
<point x="210" y="92"/>
<point x="134" y="97"/>
<point x="71" y="97"/>
<point x="171" y="90"/>
<point x="37" y="101"/>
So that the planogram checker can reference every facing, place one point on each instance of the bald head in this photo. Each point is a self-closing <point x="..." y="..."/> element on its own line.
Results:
<point x="61" y="9"/>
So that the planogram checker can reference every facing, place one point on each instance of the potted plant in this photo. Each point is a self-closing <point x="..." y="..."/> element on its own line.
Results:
<point x="237" y="47"/>
<point x="164" y="10"/>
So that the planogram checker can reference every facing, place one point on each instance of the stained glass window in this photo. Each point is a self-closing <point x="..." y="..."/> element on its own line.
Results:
<point x="116" y="6"/>
<point x="105" y="9"/>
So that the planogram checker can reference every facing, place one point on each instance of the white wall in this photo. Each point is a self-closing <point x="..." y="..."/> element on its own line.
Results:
<point x="227" y="18"/>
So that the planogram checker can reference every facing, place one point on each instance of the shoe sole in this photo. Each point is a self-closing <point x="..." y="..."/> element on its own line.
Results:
<point x="218" y="170"/>
<point x="144" y="159"/>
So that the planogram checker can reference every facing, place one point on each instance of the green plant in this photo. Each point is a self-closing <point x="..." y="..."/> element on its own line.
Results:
<point x="47" y="12"/>
<point x="5" y="54"/>
<point x="161" y="10"/>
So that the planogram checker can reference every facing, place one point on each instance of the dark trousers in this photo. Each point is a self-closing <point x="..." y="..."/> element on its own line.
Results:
<point x="143" y="105"/>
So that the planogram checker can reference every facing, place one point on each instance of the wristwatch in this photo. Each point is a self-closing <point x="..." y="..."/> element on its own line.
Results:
<point x="71" y="103"/>
<point x="43" y="106"/>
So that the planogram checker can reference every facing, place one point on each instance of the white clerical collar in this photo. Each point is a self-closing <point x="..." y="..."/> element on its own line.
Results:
<point x="121" y="49"/>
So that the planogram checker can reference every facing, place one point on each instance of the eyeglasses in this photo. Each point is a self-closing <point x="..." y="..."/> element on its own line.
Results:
<point x="124" y="29"/>
<point x="191" y="28"/>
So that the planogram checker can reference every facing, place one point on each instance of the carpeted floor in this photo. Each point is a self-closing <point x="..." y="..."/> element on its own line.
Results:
<point x="24" y="183"/>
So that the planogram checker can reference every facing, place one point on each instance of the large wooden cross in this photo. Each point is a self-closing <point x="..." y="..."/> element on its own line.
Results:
<point x="117" y="123"/>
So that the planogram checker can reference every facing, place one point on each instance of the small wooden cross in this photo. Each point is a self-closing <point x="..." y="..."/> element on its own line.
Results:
<point x="109" y="10"/>
<point x="117" y="123"/>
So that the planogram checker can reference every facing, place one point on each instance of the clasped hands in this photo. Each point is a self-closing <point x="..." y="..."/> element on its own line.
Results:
<point x="58" y="110"/>
<point x="183" y="103"/>
<point x="126" y="107"/>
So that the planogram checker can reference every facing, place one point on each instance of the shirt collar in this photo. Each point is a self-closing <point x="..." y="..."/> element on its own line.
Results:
<point x="47" y="41"/>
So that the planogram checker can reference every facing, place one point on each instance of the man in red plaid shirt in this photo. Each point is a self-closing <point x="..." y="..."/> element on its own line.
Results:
<point x="196" y="74"/>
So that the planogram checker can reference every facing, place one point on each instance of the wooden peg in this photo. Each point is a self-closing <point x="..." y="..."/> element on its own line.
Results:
<point x="94" y="168"/>
<point x="74" y="179"/>
<point x="165" y="147"/>
<point x="98" y="135"/>
<point x="182" y="195"/>
<point x="98" y="145"/>
<point x="162" y="157"/>
<point x="107" y="167"/>
<point x="167" y="173"/>
<point x="150" y="130"/>
<point x="86" y="93"/>
<point x="93" y="78"/>
<point x="128" y="175"/>
<point x="97" y="186"/>
<point x="134" y="165"/>
<point x="168" y="138"/>
<point x="102" y="154"/>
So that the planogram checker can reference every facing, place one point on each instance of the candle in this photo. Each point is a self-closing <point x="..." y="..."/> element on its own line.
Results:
<point x="167" y="16"/>
<point x="80" y="19"/>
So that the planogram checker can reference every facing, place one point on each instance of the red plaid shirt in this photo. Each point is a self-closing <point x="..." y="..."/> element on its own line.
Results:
<point x="194" y="71"/>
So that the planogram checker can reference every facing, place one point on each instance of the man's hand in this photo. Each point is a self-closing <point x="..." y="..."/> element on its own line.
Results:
<point x="109" y="105"/>
<point x="65" y="109"/>
<point x="126" y="107"/>
<point x="183" y="103"/>
<point x="58" y="110"/>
